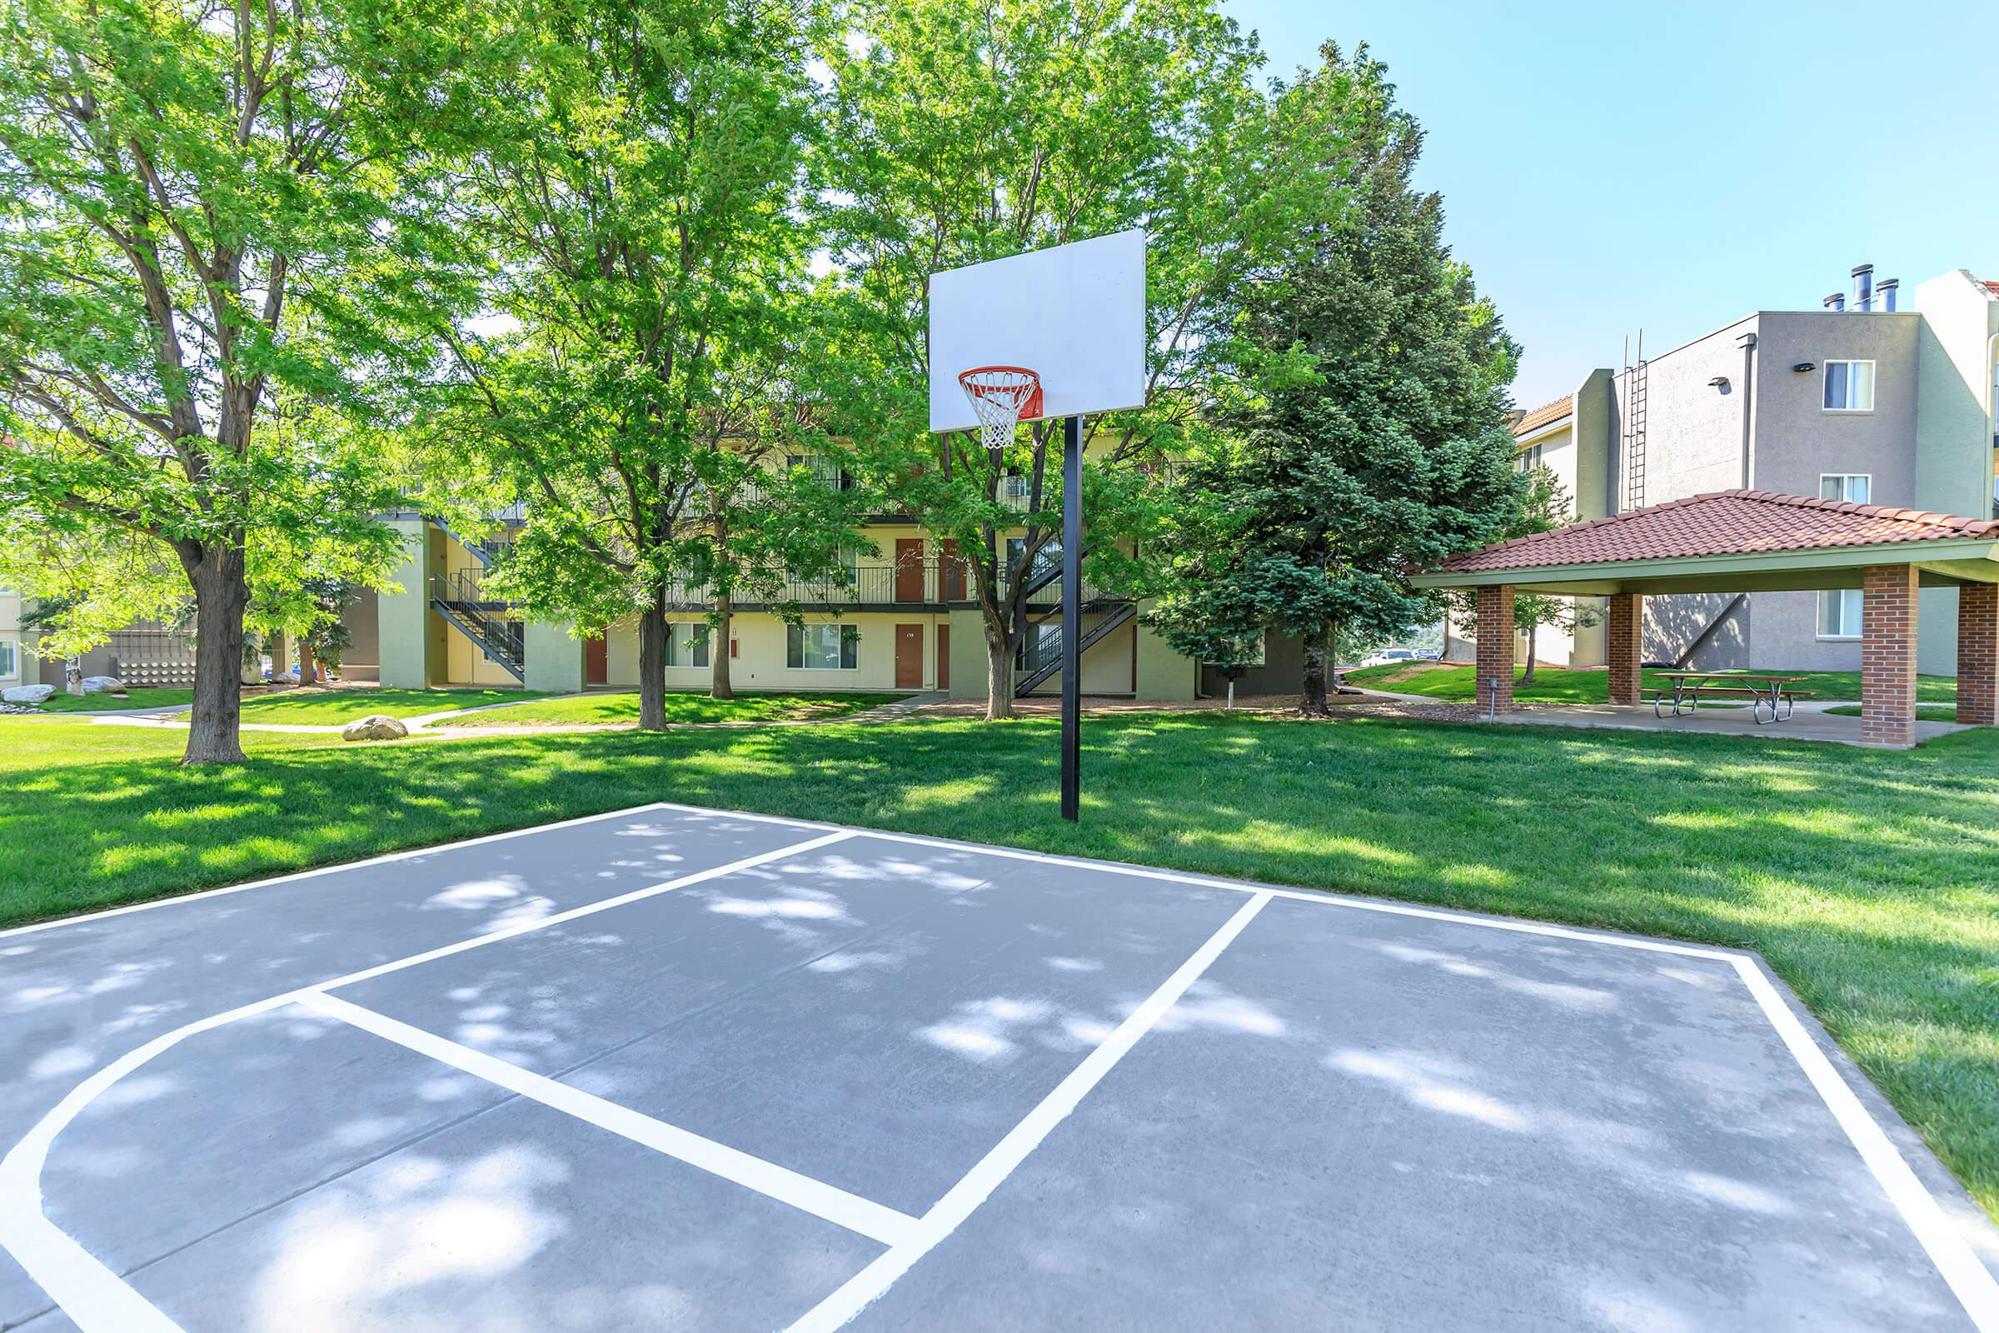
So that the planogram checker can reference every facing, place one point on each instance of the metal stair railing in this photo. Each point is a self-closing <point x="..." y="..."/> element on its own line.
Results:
<point x="1050" y="647"/>
<point x="459" y="598"/>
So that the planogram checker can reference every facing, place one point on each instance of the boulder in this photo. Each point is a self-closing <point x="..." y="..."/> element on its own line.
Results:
<point x="374" y="727"/>
<point x="285" y="678"/>
<point x="27" y="694"/>
<point x="103" y="685"/>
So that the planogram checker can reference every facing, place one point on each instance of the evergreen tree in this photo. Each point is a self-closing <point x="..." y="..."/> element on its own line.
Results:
<point x="1376" y="445"/>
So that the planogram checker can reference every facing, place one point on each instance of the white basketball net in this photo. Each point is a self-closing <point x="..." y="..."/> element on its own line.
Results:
<point x="999" y="394"/>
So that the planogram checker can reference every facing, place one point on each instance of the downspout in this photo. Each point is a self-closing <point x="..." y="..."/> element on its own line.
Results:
<point x="1748" y="341"/>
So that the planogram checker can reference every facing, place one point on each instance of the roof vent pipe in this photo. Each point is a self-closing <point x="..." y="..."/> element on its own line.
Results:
<point x="1863" y="287"/>
<point x="1836" y="302"/>
<point x="1886" y="291"/>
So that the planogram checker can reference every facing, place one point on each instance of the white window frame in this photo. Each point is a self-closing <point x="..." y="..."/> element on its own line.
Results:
<point x="1868" y="477"/>
<point x="844" y="635"/>
<point x="13" y="665"/>
<point x="1856" y="603"/>
<point x="1873" y="385"/>
<point x="689" y="639"/>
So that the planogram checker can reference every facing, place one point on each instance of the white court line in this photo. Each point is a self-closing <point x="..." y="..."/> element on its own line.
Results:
<point x="1969" y="1279"/>
<point x="92" y="1295"/>
<point x="828" y="1202"/>
<point x="963" y="1198"/>
<point x="384" y="859"/>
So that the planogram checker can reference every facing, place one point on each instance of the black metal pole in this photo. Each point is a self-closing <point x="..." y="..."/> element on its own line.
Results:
<point x="1072" y="610"/>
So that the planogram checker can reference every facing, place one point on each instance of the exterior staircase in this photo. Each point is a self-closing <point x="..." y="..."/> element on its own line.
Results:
<point x="459" y="599"/>
<point x="1121" y="613"/>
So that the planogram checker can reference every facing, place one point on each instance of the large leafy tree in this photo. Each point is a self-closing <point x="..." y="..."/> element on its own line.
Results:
<point x="969" y="131"/>
<point x="199" y="210"/>
<point x="1376" y="443"/>
<point x="640" y="187"/>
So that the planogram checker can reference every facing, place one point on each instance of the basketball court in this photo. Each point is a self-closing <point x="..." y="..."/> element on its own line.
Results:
<point x="674" y="1067"/>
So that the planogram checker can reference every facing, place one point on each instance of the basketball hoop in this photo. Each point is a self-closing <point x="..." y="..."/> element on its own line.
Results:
<point x="1001" y="395"/>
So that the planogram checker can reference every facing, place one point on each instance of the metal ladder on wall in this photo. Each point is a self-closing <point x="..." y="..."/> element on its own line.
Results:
<point x="1635" y="394"/>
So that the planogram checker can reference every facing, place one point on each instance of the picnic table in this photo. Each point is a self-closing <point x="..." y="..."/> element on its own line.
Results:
<point x="1764" y="690"/>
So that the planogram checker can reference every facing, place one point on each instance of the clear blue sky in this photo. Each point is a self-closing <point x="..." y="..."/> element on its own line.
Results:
<point x="1674" y="166"/>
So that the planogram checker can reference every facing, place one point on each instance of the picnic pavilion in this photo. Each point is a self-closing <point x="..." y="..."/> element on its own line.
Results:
<point x="1755" y="541"/>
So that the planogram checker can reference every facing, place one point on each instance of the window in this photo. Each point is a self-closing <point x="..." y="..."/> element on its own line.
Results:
<point x="1853" y="487"/>
<point x="1530" y="458"/>
<point x="1839" y="613"/>
<point x="823" y="647"/>
<point x="10" y="659"/>
<point x="823" y="469"/>
<point x="687" y="643"/>
<point x="1849" y="386"/>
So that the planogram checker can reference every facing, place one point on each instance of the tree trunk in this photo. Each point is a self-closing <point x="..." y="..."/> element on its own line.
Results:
<point x="72" y="676"/>
<point x="652" y="665"/>
<point x="220" y="591"/>
<point x="1313" y="704"/>
<point x="278" y="650"/>
<point x="999" y="676"/>
<point x="308" y="663"/>
<point x="1532" y="632"/>
<point x="719" y="685"/>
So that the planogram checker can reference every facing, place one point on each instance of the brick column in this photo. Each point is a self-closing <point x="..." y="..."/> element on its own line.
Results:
<point x="1625" y="648"/>
<point x="1888" y="655"/>
<point x="1495" y="647"/>
<point x="1978" y="654"/>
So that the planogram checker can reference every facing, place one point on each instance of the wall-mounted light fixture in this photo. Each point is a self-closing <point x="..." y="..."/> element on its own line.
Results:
<point x="1804" y="367"/>
<point x="1719" y="382"/>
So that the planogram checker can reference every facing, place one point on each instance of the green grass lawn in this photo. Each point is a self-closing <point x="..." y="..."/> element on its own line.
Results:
<point x="1562" y="685"/>
<point x="681" y="706"/>
<point x="104" y="703"/>
<point x="1865" y="877"/>
<point x="1924" y="712"/>
<point x="320" y="707"/>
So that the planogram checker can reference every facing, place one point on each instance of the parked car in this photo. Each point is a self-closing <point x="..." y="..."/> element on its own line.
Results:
<point x="1389" y="656"/>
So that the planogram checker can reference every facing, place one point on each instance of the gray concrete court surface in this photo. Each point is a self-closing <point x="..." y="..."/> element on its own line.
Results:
<point x="681" y="1068"/>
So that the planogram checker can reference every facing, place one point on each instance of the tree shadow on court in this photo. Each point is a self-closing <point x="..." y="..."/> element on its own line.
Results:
<point x="1863" y="877"/>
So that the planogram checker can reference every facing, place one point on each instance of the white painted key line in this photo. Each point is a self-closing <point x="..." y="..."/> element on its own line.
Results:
<point x="978" y="1184"/>
<point x="90" y="1294"/>
<point x="828" y="1202"/>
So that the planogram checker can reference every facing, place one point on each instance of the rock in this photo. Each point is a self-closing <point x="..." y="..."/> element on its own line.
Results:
<point x="285" y="678"/>
<point x="27" y="694"/>
<point x="103" y="685"/>
<point x="374" y="727"/>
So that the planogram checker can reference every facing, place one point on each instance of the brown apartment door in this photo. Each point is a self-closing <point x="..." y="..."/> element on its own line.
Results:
<point x="909" y="569"/>
<point x="596" y="661"/>
<point x="943" y="657"/>
<point x="951" y="572"/>
<point x="909" y="657"/>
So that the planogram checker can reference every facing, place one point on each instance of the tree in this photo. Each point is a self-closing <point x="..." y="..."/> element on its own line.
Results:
<point x="1374" y="444"/>
<point x="1545" y="506"/>
<point x="640" y="185"/>
<point x="964" y="133"/>
<point x="200" y="209"/>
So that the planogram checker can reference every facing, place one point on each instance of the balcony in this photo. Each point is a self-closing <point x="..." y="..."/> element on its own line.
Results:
<point x="934" y="585"/>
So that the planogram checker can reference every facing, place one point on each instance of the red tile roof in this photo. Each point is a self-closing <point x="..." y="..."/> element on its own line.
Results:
<point x="1991" y="287"/>
<point x="1722" y="523"/>
<point x="1545" y="415"/>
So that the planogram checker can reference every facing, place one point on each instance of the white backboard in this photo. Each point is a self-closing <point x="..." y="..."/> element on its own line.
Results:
<point x="1075" y="314"/>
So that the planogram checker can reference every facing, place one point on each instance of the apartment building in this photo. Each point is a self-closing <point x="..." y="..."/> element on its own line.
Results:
<point x="1869" y="398"/>
<point x="899" y="620"/>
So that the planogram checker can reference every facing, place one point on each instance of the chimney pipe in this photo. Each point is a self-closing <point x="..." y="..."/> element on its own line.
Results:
<point x="1863" y="287"/>
<point x="1836" y="302"/>
<point x="1886" y="291"/>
